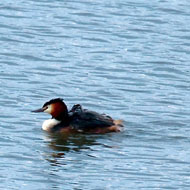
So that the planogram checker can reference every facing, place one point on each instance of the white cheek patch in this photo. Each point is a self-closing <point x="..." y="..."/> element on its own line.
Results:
<point x="49" y="109"/>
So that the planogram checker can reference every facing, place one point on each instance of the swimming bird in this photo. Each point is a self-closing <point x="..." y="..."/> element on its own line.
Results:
<point x="77" y="119"/>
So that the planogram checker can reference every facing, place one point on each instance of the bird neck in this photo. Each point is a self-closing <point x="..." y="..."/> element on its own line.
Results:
<point x="63" y="117"/>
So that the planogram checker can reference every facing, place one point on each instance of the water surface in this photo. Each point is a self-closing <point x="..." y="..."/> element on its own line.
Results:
<point x="124" y="58"/>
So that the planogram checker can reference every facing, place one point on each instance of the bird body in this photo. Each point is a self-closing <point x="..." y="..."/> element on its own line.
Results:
<point x="77" y="119"/>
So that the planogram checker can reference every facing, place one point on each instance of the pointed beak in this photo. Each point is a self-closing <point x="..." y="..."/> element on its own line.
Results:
<point x="38" y="110"/>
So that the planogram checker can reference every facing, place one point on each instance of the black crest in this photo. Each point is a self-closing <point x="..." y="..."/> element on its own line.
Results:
<point x="52" y="101"/>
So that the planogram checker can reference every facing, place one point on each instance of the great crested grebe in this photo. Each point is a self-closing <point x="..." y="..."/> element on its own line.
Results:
<point x="77" y="119"/>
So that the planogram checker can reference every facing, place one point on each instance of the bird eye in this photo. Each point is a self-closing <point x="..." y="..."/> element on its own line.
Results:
<point x="46" y="107"/>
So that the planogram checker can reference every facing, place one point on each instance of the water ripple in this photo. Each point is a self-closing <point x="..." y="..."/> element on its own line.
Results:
<point x="124" y="58"/>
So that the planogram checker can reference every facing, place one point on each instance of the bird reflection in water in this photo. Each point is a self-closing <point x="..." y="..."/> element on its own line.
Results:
<point x="64" y="143"/>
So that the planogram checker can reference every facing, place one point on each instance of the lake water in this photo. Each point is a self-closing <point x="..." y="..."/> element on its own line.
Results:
<point x="129" y="59"/>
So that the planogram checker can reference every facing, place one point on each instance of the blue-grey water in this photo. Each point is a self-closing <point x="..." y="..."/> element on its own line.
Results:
<point x="129" y="59"/>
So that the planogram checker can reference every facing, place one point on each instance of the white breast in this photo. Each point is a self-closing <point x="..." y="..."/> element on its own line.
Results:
<point x="49" y="124"/>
